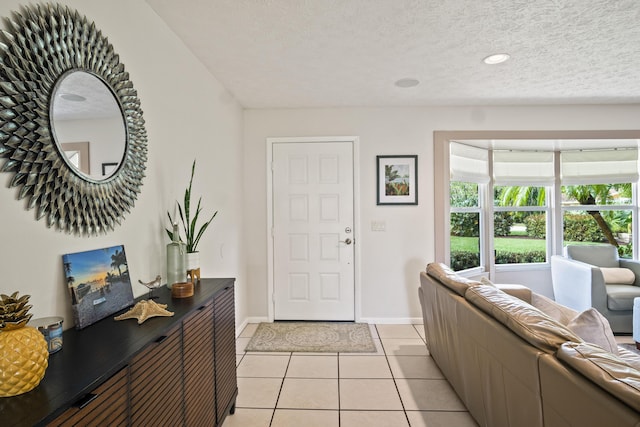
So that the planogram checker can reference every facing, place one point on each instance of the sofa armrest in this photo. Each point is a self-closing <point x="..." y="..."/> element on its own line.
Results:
<point x="576" y="284"/>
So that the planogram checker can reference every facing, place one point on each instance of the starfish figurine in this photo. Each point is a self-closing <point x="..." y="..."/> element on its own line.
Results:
<point x="145" y="309"/>
<point x="156" y="283"/>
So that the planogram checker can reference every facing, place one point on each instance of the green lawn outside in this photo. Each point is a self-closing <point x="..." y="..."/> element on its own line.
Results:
<point x="507" y="244"/>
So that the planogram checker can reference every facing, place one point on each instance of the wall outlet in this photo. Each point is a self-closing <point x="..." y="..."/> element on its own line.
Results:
<point x="378" y="226"/>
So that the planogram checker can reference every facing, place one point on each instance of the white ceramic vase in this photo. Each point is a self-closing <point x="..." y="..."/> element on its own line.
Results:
<point x="193" y="260"/>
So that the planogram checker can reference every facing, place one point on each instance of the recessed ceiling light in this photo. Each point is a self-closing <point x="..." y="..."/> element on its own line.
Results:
<point x="407" y="83"/>
<point x="497" y="58"/>
<point x="72" y="97"/>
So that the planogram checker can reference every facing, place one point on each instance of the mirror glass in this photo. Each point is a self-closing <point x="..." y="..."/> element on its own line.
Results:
<point x="88" y="125"/>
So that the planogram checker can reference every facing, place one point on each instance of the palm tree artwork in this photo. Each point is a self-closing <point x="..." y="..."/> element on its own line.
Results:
<point x="396" y="180"/>
<point x="98" y="282"/>
<point x="117" y="260"/>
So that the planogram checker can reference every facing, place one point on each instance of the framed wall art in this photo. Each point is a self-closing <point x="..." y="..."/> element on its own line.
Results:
<point x="109" y="168"/>
<point x="397" y="180"/>
<point x="98" y="282"/>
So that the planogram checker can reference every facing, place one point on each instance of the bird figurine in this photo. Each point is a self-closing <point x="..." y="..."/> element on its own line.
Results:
<point x="156" y="283"/>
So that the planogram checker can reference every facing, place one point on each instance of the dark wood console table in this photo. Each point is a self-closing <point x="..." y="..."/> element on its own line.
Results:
<point x="178" y="370"/>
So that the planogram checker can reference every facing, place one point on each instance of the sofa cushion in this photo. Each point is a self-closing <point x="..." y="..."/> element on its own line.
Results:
<point x="620" y="297"/>
<point x="519" y="291"/>
<point x="449" y="278"/>
<point x="630" y="357"/>
<point x="604" y="369"/>
<point x="618" y="276"/>
<point x="486" y="281"/>
<point x="593" y="327"/>
<point x="556" y="311"/>
<point x="523" y="319"/>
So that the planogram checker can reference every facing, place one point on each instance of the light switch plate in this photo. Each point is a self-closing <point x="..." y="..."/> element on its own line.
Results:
<point x="378" y="226"/>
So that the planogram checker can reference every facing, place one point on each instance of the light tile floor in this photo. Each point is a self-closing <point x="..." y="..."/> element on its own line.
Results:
<point x="397" y="386"/>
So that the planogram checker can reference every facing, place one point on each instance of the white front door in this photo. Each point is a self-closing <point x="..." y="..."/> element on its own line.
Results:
<point x="313" y="236"/>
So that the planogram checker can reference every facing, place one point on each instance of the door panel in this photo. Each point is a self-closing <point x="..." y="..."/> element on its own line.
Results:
<point x="312" y="231"/>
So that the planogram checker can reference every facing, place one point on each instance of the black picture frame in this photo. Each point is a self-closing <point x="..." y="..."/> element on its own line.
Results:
<point x="109" y="168"/>
<point x="397" y="180"/>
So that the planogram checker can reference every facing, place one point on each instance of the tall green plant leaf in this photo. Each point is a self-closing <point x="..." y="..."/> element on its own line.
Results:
<point x="189" y="224"/>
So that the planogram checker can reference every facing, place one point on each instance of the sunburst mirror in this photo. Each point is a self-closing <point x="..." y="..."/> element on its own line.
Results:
<point x="60" y="83"/>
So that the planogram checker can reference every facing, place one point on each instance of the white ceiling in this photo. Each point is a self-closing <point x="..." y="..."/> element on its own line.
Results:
<point x="332" y="53"/>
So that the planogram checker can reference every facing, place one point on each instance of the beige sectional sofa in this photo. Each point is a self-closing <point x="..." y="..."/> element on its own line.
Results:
<point x="513" y="362"/>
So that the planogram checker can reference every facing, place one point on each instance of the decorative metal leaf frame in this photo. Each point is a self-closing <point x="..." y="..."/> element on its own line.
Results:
<point x="41" y="45"/>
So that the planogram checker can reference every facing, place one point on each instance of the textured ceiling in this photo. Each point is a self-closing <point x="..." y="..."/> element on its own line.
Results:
<point x="328" y="53"/>
<point x="98" y="103"/>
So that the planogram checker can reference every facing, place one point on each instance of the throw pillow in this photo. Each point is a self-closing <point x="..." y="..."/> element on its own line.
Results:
<point x="593" y="327"/>
<point x="552" y="309"/>
<point x="619" y="276"/>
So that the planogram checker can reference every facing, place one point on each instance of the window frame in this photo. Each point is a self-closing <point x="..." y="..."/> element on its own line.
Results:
<point x="633" y="207"/>
<point x="554" y="222"/>
<point x="479" y="209"/>
<point x="548" y="227"/>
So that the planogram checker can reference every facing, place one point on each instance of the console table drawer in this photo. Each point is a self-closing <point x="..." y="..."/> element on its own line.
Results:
<point x="105" y="406"/>
<point x="156" y="382"/>
<point x="199" y="369"/>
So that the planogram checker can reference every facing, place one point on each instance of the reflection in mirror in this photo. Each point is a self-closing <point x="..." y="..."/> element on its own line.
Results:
<point x="87" y="124"/>
<point x="77" y="154"/>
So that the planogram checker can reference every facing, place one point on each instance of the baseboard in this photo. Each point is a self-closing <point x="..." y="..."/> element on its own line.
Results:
<point x="392" y="320"/>
<point x="241" y="326"/>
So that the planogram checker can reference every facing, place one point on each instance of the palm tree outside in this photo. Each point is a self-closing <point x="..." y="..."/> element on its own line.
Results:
<point x="585" y="195"/>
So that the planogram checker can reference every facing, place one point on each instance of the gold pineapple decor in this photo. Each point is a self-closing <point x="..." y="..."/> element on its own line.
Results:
<point x="24" y="355"/>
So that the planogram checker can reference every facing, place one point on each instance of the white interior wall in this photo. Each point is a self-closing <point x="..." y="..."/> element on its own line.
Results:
<point x="188" y="115"/>
<point x="390" y="261"/>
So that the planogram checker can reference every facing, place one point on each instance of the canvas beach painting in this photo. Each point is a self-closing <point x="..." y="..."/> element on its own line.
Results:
<point x="98" y="282"/>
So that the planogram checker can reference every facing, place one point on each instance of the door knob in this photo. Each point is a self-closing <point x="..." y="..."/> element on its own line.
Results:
<point x="346" y="241"/>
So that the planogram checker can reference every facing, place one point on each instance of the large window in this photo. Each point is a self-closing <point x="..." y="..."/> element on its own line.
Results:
<point x="599" y="213"/>
<point x="541" y="201"/>
<point x="469" y="178"/>
<point x="597" y="197"/>
<point x="520" y="219"/>
<point x="465" y="220"/>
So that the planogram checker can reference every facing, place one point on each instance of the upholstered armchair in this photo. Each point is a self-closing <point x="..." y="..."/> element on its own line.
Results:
<point x="593" y="276"/>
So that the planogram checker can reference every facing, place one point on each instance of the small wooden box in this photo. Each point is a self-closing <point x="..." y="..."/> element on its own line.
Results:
<point x="182" y="290"/>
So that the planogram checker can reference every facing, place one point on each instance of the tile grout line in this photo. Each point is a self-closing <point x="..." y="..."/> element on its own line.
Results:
<point x="273" y="414"/>
<point x="339" y="403"/>
<point x="395" y="384"/>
